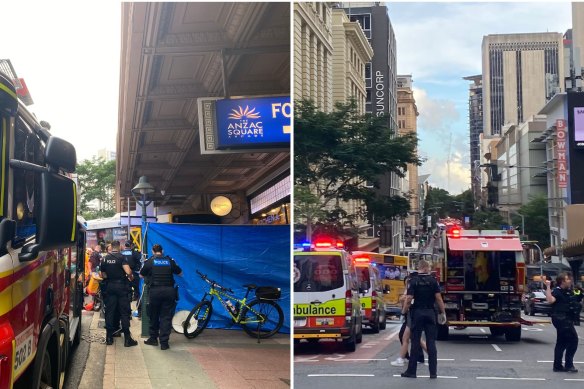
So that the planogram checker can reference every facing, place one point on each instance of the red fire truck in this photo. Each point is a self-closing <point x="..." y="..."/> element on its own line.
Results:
<point x="41" y="242"/>
<point x="482" y="276"/>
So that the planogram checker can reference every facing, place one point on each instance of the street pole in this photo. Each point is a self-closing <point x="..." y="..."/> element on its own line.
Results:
<point x="540" y="264"/>
<point x="143" y="188"/>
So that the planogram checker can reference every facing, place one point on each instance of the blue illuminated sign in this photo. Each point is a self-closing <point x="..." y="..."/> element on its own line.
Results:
<point x="253" y="123"/>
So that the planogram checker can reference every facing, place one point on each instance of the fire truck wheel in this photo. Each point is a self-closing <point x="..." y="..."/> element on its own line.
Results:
<point x="513" y="334"/>
<point x="359" y="337"/>
<point x="496" y="331"/>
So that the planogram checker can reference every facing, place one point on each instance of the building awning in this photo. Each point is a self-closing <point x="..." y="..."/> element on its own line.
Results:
<point x="482" y="244"/>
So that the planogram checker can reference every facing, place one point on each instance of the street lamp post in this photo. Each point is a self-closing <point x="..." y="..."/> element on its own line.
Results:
<point x="534" y="243"/>
<point x="140" y="192"/>
<point x="522" y="221"/>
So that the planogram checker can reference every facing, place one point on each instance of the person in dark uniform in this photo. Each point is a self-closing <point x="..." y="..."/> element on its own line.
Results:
<point x="425" y="292"/>
<point x="133" y="258"/>
<point x="576" y="304"/>
<point x="117" y="274"/>
<point x="159" y="270"/>
<point x="566" y="336"/>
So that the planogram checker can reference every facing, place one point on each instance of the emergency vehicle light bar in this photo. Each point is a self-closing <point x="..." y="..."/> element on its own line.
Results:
<point x="362" y="259"/>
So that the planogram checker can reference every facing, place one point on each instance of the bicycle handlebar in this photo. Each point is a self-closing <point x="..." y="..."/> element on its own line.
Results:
<point x="213" y="283"/>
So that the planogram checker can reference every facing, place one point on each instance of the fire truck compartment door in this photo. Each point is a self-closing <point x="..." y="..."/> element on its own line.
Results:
<point x="481" y="244"/>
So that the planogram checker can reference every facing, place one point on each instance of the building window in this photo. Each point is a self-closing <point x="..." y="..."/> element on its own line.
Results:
<point x="365" y="22"/>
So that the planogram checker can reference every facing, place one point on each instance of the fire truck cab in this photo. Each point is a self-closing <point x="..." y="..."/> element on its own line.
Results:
<point x="326" y="295"/>
<point x="41" y="242"/>
<point x="482" y="277"/>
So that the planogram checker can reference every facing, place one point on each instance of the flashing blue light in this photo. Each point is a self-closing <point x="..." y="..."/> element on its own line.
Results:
<point x="306" y="244"/>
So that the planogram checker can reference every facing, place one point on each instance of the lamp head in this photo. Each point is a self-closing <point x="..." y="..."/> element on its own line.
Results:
<point x="143" y="187"/>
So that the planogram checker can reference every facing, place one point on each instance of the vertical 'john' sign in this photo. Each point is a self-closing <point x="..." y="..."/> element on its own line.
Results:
<point x="254" y="123"/>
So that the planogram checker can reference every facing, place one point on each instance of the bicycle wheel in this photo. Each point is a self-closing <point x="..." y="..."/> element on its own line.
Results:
<point x="269" y="314"/>
<point x="198" y="319"/>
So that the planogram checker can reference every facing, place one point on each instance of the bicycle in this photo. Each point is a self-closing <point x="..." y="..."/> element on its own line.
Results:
<point x="261" y="317"/>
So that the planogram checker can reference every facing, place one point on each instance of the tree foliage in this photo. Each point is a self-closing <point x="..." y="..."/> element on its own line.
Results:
<point x="535" y="213"/>
<point x="336" y="154"/>
<point x="96" y="179"/>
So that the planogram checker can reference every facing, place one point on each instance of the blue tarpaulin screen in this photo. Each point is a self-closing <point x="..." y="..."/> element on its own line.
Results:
<point x="230" y="255"/>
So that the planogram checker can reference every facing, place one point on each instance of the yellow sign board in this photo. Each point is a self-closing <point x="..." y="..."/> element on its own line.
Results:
<point x="329" y="308"/>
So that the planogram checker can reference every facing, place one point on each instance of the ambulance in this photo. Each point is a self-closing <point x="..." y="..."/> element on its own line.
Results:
<point x="372" y="292"/>
<point x="326" y="295"/>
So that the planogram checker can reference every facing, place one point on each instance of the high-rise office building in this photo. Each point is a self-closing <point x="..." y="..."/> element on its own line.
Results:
<point x="407" y="122"/>
<point x="475" y="123"/>
<point x="381" y="83"/>
<point x="520" y="73"/>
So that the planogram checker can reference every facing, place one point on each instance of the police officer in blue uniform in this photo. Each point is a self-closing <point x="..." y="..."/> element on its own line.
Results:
<point x="134" y="260"/>
<point x="117" y="274"/>
<point x="425" y="292"/>
<point x="159" y="270"/>
<point x="563" y="321"/>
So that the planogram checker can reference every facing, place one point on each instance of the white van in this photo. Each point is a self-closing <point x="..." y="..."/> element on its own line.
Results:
<point x="326" y="297"/>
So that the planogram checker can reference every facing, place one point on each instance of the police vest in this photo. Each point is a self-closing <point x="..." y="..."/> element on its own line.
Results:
<point x="162" y="271"/>
<point x="561" y="306"/>
<point x="132" y="258"/>
<point x="424" y="292"/>
<point x="112" y="265"/>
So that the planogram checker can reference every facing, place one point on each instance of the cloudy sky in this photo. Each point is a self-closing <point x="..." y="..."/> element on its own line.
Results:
<point x="68" y="54"/>
<point x="439" y="43"/>
<point x="71" y="66"/>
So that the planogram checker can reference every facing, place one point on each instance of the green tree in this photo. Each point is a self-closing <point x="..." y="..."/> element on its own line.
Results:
<point x="487" y="220"/>
<point x="336" y="154"/>
<point x="438" y="203"/>
<point x="97" y="182"/>
<point x="535" y="213"/>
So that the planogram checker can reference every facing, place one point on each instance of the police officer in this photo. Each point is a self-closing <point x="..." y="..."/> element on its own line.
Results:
<point x="567" y="338"/>
<point x="425" y="292"/>
<point x="159" y="270"/>
<point x="115" y="271"/>
<point x="133" y="258"/>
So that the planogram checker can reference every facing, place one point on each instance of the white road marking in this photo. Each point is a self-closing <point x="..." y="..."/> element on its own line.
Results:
<point x="573" y="379"/>
<point x="341" y="375"/>
<point x="497" y="348"/>
<point x="543" y="325"/>
<point x="531" y="329"/>
<point x="496" y="360"/>
<point x="338" y="356"/>
<point x="445" y="359"/>
<point x="360" y="359"/>
<point x="307" y="359"/>
<point x="392" y="335"/>
<point x="483" y="330"/>
<point x="511" y="378"/>
<point x="553" y="362"/>
<point x="427" y="376"/>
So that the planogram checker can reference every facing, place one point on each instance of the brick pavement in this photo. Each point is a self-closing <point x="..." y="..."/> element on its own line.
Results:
<point x="221" y="359"/>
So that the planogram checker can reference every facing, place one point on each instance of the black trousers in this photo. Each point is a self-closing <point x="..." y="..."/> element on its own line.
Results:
<point x="423" y="320"/>
<point x="566" y="341"/>
<point x="162" y="302"/>
<point x="136" y="287"/>
<point x="117" y="305"/>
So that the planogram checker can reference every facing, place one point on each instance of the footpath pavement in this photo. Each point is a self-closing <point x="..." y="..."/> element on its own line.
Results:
<point x="221" y="359"/>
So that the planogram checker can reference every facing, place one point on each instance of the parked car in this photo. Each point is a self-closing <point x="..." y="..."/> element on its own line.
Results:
<point x="537" y="303"/>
